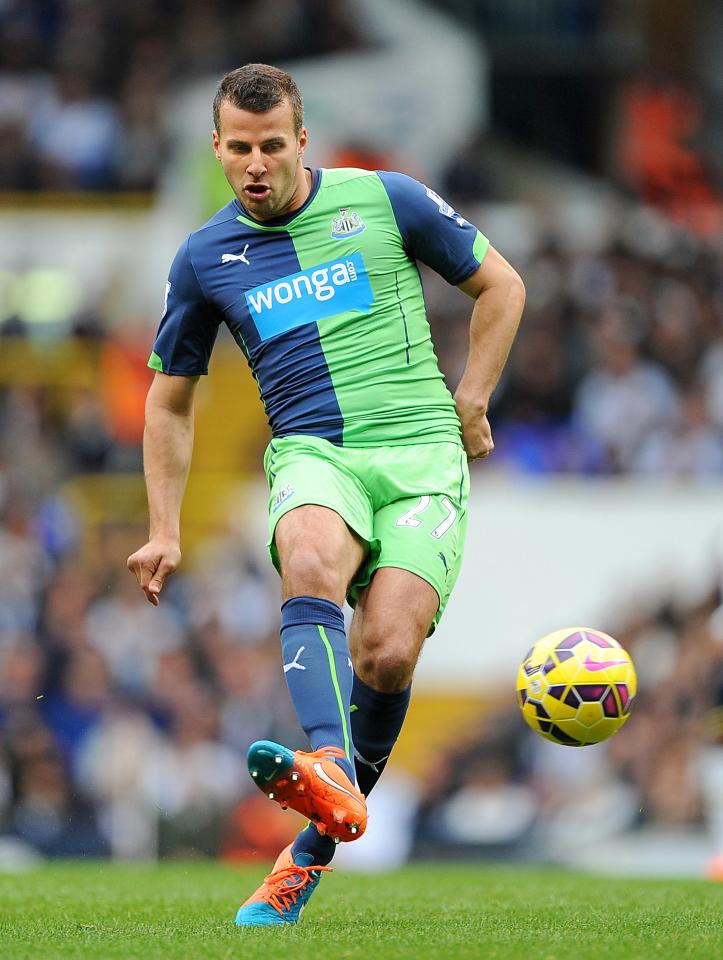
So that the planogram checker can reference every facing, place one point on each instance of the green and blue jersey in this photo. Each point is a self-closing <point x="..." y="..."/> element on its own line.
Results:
<point x="327" y="306"/>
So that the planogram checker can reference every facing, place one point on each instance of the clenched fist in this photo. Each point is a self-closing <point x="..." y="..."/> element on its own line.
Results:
<point x="476" y="430"/>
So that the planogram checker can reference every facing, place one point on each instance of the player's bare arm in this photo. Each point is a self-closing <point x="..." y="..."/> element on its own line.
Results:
<point x="167" y="448"/>
<point x="499" y="295"/>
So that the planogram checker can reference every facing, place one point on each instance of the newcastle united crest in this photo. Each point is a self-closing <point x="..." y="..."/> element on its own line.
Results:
<point x="347" y="224"/>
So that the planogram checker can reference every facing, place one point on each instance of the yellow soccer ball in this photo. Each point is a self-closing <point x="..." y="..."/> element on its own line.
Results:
<point x="576" y="686"/>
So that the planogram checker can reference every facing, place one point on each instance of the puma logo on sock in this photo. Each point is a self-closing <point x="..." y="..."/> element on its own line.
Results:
<point x="370" y="763"/>
<point x="295" y="665"/>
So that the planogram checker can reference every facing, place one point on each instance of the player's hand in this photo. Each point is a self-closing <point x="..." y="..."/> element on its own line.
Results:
<point x="476" y="430"/>
<point x="150" y="565"/>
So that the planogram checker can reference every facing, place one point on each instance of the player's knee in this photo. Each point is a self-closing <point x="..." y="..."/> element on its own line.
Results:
<point x="387" y="668"/>
<point x="307" y="572"/>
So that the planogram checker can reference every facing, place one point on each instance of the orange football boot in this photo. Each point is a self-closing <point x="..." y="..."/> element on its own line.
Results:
<point x="282" y="896"/>
<point x="311" y="783"/>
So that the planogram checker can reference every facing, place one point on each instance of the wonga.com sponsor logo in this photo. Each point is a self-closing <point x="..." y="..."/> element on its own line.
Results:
<point x="310" y="295"/>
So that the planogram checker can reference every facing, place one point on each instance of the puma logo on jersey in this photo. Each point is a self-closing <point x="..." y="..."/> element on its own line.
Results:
<point x="230" y="257"/>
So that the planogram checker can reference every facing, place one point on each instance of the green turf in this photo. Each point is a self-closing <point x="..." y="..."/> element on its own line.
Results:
<point x="186" y="911"/>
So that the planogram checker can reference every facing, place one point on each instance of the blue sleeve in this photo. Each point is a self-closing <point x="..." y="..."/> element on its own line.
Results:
<point x="189" y="324"/>
<point x="432" y="231"/>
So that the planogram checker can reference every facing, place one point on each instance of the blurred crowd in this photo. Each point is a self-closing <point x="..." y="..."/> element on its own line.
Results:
<point x="84" y="85"/>
<point x="618" y="364"/>
<point x="123" y="728"/>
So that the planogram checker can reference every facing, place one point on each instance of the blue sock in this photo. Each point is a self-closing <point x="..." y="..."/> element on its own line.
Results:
<point x="311" y="848"/>
<point x="376" y="722"/>
<point x="318" y="673"/>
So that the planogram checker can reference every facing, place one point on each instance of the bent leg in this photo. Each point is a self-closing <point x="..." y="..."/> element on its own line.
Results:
<point x="391" y="621"/>
<point x="318" y="556"/>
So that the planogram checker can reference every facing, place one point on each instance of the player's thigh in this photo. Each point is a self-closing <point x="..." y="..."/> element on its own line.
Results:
<point x="318" y="552"/>
<point x="424" y="535"/>
<point x="307" y="472"/>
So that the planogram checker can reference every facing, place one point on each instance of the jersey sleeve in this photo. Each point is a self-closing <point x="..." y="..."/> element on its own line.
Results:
<point x="432" y="230"/>
<point x="189" y="324"/>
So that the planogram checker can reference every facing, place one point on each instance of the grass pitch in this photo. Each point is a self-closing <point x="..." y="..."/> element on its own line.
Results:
<point x="186" y="911"/>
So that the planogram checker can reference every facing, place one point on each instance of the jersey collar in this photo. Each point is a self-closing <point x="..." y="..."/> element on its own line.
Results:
<point x="282" y="221"/>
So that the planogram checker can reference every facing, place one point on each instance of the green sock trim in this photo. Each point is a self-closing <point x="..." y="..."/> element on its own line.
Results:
<point x="335" y="681"/>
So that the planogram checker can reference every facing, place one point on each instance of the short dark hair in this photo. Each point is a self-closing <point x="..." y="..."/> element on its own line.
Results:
<point x="258" y="87"/>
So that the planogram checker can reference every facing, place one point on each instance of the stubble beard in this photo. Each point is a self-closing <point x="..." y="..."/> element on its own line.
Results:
<point x="272" y="208"/>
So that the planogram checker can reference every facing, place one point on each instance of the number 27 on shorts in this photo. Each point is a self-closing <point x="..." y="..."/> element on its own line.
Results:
<point x="411" y="517"/>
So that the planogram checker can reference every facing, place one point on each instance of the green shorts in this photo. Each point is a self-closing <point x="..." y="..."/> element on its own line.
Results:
<point x="408" y="503"/>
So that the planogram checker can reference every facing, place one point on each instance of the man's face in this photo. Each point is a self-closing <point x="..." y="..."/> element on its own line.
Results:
<point x="261" y="156"/>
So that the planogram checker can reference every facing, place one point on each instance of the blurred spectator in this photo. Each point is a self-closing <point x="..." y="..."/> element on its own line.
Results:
<point x="480" y="799"/>
<point x="24" y="568"/>
<point x="712" y="375"/>
<point x="659" y="150"/>
<point x="75" y="137"/>
<point x="144" y="148"/>
<point x="389" y="836"/>
<point x="46" y="813"/>
<point x="710" y="760"/>
<point x="685" y="446"/>
<point x="86" y="437"/>
<point x="229" y="591"/>
<point x="21" y="677"/>
<point x="131" y="635"/>
<point x="83" y="84"/>
<point x="76" y="708"/>
<point x="111" y="770"/>
<point x="49" y="817"/>
<point x="194" y="779"/>
<point x="622" y="399"/>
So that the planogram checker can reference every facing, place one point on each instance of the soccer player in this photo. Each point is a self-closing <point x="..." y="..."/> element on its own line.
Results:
<point x="314" y="273"/>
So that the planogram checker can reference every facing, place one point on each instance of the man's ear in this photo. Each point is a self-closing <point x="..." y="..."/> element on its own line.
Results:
<point x="303" y="141"/>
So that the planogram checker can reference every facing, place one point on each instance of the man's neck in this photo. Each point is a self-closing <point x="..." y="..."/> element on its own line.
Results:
<point x="302" y="191"/>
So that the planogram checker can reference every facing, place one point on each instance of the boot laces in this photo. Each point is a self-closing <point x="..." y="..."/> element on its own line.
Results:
<point x="286" y="885"/>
